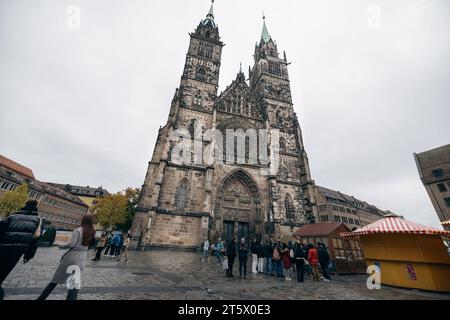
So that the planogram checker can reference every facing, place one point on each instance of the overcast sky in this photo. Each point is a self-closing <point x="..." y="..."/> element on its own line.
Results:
<point x="370" y="84"/>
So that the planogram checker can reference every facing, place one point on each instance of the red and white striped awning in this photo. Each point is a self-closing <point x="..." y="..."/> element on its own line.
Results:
<point x="446" y="223"/>
<point x="394" y="224"/>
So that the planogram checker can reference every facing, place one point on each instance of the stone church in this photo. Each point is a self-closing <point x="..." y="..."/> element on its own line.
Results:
<point x="182" y="204"/>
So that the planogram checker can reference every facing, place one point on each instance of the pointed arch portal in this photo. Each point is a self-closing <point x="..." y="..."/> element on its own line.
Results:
<point x="237" y="210"/>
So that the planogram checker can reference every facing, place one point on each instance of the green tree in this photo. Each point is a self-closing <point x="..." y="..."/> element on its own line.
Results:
<point x="132" y="195"/>
<point x="111" y="209"/>
<point x="117" y="210"/>
<point x="13" y="200"/>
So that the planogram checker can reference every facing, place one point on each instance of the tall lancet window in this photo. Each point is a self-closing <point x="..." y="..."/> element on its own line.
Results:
<point x="181" y="196"/>
<point x="289" y="207"/>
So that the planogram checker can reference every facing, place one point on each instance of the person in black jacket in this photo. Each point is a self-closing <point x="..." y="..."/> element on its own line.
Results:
<point x="324" y="260"/>
<point x="231" y="254"/>
<point x="268" y="254"/>
<point x="19" y="235"/>
<point x="243" y="256"/>
<point x="299" y="257"/>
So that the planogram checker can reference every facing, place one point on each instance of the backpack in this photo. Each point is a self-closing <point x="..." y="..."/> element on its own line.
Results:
<point x="276" y="255"/>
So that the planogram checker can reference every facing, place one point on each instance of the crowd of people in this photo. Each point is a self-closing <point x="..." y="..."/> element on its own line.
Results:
<point x="115" y="244"/>
<point x="273" y="258"/>
<point x="21" y="231"/>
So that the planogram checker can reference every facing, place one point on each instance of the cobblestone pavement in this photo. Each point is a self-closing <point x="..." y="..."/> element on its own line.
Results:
<point x="182" y="275"/>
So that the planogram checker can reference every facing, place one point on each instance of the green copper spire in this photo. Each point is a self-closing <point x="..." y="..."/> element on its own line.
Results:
<point x="265" y="36"/>
<point x="211" y="10"/>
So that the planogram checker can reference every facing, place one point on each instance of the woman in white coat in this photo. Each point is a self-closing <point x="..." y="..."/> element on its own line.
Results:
<point x="74" y="258"/>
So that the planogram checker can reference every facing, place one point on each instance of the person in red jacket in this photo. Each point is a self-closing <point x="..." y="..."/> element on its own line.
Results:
<point x="313" y="257"/>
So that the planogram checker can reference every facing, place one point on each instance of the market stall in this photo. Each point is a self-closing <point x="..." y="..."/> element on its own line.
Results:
<point x="345" y="254"/>
<point x="408" y="254"/>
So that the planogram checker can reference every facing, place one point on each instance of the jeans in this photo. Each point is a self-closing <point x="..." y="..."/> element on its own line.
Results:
<point x="242" y="266"/>
<point x="279" y="268"/>
<point x="325" y="271"/>
<point x="269" y="265"/>
<point x="219" y="257"/>
<point x="205" y="255"/>
<point x="300" y="266"/>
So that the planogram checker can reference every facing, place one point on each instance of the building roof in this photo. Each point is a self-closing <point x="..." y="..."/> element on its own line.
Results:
<point x="318" y="229"/>
<point x="16" y="167"/>
<point x="20" y="178"/>
<point x="434" y="156"/>
<point x="265" y="36"/>
<point x="80" y="190"/>
<point x="342" y="198"/>
<point x="392" y="224"/>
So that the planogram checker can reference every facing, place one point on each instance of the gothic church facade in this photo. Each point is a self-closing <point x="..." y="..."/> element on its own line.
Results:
<point x="183" y="204"/>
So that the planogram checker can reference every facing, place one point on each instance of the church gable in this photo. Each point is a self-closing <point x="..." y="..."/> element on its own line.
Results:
<point x="237" y="100"/>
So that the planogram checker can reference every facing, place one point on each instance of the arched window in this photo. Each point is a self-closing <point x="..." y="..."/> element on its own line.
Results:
<point x="289" y="207"/>
<point x="201" y="74"/>
<point x="181" y="196"/>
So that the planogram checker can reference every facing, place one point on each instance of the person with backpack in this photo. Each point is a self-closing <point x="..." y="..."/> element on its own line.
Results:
<point x="277" y="260"/>
<point x="73" y="261"/>
<point x="19" y="236"/>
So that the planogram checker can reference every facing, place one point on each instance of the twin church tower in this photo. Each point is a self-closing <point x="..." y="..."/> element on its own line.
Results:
<point x="182" y="204"/>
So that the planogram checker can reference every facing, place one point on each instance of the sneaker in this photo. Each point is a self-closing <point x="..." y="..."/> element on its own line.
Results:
<point x="326" y="280"/>
<point x="126" y="260"/>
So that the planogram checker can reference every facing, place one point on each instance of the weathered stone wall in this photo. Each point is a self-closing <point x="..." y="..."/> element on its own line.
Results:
<point x="178" y="230"/>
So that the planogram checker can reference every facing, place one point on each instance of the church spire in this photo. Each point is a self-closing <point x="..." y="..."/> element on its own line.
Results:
<point x="240" y="76"/>
<point x="209" y="20"/>
<point x="211" y="11"/>
<point x="265" y="36"/>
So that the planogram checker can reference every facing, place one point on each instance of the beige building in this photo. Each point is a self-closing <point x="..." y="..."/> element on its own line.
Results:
<point x="88" y="195"/>
<point x="335" y="206"/>
<point x="434" y="171"/>
<point x="61" y="209"/>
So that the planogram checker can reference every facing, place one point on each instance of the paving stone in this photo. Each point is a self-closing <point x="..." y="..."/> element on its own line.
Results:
<point x="181" y="275"/>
